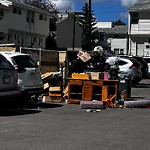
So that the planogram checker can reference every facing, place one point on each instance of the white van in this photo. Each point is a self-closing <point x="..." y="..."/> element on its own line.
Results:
<point x="29" y="75"/>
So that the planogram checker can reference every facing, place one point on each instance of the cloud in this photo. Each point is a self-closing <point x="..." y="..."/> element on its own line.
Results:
<point x="69" y="5"/>
<point x="64" y="5"/>
<point x="124" y="15"/>
<point x="128" y="3"/>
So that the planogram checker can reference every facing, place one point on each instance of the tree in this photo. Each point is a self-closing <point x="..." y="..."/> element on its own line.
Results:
<point x="89" y="32"/>
<point x="44" y="5"/>
<point x="118" y="22"/>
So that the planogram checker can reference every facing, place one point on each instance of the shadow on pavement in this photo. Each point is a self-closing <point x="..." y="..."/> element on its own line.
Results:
<point x="49" y="105"/>
<point x="17" y="112"/>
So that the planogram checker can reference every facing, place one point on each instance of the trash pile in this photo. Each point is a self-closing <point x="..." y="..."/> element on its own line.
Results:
<point x="94" y="61"/>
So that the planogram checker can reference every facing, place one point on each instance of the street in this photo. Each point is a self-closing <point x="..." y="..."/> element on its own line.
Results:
<point x="141" y="90"/>
<point x="68" y="127"/>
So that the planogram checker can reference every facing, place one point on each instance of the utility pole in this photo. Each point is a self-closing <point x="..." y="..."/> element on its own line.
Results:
<point x="74" y="27"/>
<point x="89" y="26"/>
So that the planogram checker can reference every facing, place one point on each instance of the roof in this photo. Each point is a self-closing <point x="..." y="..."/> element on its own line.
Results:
<point x="118" y="29"/>
<point x="140" y="5"/>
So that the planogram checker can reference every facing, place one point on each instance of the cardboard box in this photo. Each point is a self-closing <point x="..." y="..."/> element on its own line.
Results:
<point x="80" y="76"/>
<point x="85" y="57"/>
<point x="97" y="75"/>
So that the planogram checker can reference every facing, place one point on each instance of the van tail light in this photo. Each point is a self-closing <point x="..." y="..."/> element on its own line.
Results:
<point x="132" y="67"/>
<point x="20" y="69"/>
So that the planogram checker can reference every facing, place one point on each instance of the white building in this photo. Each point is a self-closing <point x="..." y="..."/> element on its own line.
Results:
<point x="139" y="28"/>
<point x="23" y="25"/>
<point x="113" y="39"/>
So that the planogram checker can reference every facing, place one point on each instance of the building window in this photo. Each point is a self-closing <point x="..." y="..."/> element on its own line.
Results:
<point x="121" y="51"/>
<point x="9" y="37"/>
<point x="30" y="17"/>
<point x="134" y="18"/>
<point x="16" y="10"/>
<point x="2" y="38"/>
<point x="34" y="39"/>
<point x="1" y="14"/>
<point x="15" y="36"/>
<point x="40" y="41"/>
<point x="116" y="51"/>
<point x="42" y="17"/>
<point x="45" y="18"/>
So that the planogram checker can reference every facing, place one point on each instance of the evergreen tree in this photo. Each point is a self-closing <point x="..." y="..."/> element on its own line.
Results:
<point x="89" y="32"/>
<point x="118" y="22"/>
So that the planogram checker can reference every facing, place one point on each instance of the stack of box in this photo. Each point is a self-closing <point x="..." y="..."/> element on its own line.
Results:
<point x="97" y="75"/>
<point x="55" y="94"/>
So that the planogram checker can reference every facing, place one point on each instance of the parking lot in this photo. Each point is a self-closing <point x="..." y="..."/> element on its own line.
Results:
<point x="66" y="126"/>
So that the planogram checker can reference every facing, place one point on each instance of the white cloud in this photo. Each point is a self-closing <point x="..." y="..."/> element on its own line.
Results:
<point x="69" y="5"/>
<point x="124" y="15"/>
<point x="64" y="5"/>
<point x="128" y="3"/>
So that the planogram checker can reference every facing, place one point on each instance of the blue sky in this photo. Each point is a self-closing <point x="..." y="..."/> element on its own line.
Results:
<point x="104" y="10"/>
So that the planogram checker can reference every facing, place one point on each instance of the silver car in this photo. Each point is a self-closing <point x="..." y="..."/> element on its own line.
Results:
<point x="29" y="75"/>
<point x="8" y="80"/>
<point x="129" y="66"/>
<point x="132" y="67"/>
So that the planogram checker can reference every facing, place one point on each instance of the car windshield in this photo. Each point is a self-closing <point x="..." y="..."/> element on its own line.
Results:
<point x="4" y="64"/>
<point x="25" y="61"/>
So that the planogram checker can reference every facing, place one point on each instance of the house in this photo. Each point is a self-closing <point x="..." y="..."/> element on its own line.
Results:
<point x="139" y="28"/>
<point x="23" y="25"/>
<point x="113" y="38"/>
<point x="68" y="34"/>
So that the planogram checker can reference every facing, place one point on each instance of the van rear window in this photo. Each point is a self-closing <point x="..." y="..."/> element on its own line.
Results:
<point x="25" y="61"/>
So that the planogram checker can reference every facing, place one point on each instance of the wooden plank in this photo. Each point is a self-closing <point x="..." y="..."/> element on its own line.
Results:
<point x="47" y="74"/>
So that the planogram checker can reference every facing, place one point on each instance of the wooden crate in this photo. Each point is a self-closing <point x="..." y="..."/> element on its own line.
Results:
<point x="55" y="91"/>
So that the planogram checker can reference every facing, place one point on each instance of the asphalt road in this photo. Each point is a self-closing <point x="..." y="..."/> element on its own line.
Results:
<point x="141" y="90"/>
<point x="68" y="127"/>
